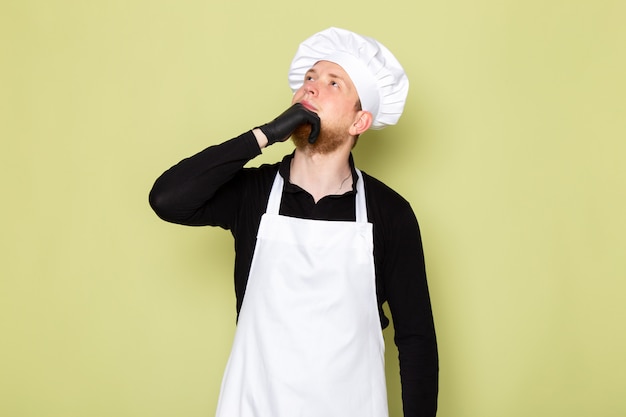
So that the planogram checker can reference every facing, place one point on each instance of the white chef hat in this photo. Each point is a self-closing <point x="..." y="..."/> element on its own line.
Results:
<point x="379" y="78"/>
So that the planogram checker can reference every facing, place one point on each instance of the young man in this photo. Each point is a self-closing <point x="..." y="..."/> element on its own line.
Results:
<point x="320" y="246"/>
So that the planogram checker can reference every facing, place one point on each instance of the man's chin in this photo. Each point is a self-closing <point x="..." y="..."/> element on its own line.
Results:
<point x="300" y="136"/>
<point x="327" y="140"/>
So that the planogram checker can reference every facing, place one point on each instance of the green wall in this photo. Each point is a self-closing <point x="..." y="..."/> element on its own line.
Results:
<point x="510" y="151"/>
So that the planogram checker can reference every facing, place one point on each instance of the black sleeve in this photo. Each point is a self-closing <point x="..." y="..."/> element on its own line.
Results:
<point x="409" y="302"/>
<point x="183" y="194"/>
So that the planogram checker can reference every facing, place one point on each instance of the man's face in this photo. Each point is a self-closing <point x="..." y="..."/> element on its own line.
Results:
<point x="329" y="92"/>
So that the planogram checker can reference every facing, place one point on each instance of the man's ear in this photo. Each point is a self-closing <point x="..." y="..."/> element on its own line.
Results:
<point x="362" y="122"/>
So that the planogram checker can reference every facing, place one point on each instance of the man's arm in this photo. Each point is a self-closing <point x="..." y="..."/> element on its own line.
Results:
<point x="183" y="193"/>
<point x="409" y="302"/>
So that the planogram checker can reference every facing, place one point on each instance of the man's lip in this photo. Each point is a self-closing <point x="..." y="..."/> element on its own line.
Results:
<point x="308" y="106"/>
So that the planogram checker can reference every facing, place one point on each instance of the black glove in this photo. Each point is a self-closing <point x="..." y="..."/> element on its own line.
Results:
<point x="279" y="129"/>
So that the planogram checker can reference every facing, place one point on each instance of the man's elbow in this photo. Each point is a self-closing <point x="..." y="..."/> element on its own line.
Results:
<point x="161" y="204"/>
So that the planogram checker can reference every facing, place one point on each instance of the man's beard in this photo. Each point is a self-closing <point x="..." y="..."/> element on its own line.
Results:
<point x="328" y="140"/>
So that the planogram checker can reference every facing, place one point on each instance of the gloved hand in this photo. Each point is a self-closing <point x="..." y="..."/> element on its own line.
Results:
<point x="279" y="129"/>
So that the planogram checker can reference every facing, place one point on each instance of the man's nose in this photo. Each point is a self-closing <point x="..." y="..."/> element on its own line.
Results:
<point x="310" y="88"/>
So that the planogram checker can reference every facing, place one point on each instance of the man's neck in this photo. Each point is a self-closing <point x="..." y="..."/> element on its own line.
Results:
<point x="321" y="174"/>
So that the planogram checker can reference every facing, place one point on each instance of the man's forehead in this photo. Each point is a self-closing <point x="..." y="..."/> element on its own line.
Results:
<point x="333" y="69"/>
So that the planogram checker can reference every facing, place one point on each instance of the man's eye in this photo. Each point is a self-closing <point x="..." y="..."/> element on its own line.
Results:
<point x="334" y="84"/>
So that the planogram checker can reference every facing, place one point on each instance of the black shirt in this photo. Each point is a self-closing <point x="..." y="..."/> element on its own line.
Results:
<point x="213" y="188"/>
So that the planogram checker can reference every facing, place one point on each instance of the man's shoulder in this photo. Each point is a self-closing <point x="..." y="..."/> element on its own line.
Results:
<point x="391" y="213"/>
<point x="264" y="172"/>
<point x="254" y="183"/>
<point x="377" y="190"/>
